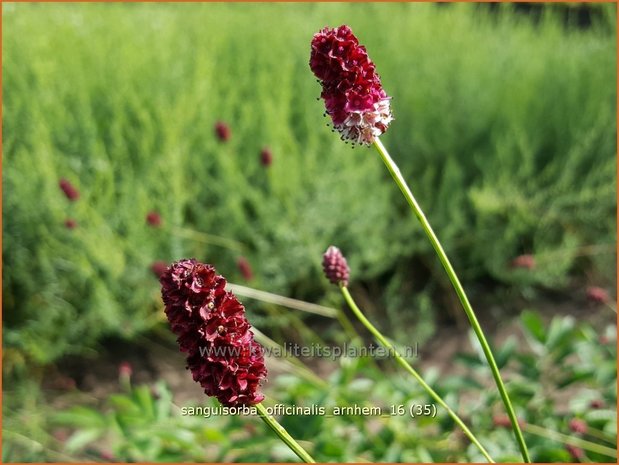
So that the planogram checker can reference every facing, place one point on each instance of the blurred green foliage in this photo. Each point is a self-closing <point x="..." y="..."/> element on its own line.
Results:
<point x="548" y="364"/>
<point x="504" y="127"/>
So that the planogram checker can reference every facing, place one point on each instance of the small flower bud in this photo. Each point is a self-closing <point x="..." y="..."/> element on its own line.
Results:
<point x="578" y="426"/>
<point x="154" y="219"/>
<point x="69" y="190"/>
<point x="596" y="403"/>
<point x="125" y="370"/>
<point x="526" y="261"/>
<point x="597" y="295"/>
<point x="70" y="223"/>
<point x="575" y="452"/>
<point x="222" y="131"/>
<point x="335" y="266"/>
<point x="158" y="268"/>
<point x="245" y="268"/>
<point x="266" y="157"/>
<point x="503" y="421"/>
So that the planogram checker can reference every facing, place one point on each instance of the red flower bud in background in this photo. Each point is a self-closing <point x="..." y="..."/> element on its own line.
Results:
<point x="352" y="91"/>
<point x="503" y="421"/>
<point x="70" y="223"/>
<point x="69" y="190"/>
<point x="154" y="219"/>
<point x="524" y="261"/>
<point x="158" y="268"/>
<point x="222" y="130"/>
<point x="266" y="157"/>
<point x="578" y="426"/>
<point x="575" y="452"/>
<point x="213" y="331"/>
<point x="597" y="295"/>
<point x="107" y="456"/>
<point x="245" y="268"/>
<point x="596" y="403"/>
<point x="335" y="266"/>
<point x="125" y="369"/>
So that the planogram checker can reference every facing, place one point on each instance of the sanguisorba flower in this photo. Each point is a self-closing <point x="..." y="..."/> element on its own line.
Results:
<point x="245" y="268"/>
<point x="353" y="94"/>
<point x="335" y="266"/>
<point x="153" y="218"/>
<point x="213" y="331"/>
<point x="69" y="190"/>
<point x="266" y="157"/>
<point x="70" y="223"/>
<point x="222" y="131"/>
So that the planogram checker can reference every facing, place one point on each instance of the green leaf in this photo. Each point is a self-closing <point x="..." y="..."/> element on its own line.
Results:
<point x="80" y="417"/>
<point x="82" y="438"/>
<point x="534" y="325"/>
<point x="145" y="399"/>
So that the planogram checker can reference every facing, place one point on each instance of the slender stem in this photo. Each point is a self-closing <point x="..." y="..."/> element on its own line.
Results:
<point x="574" y="441"/>
<point x="283" y="434"/>
<point x="399" y="179"/>
<point x="404" y="364"/>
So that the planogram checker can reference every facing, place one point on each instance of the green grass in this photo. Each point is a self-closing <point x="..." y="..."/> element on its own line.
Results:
<point x="504" y="128"/>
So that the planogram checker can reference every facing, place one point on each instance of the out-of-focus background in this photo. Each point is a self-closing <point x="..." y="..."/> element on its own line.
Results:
<point x="136" y="135"/>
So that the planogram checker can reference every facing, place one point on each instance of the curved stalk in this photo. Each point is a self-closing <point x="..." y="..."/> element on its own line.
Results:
<point x="399" y="180"/>
<point x="404" y="364"/>
<point x="283" y="434"/>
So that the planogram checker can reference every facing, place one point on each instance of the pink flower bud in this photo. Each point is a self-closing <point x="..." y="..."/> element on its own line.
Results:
<point x="524" y="261"/>
<point x="575" y="452"/>
<point x="597" y="295"/>
<point x="578" y="426"/>
<point x="125" y="370"/>
<point x="70" y="223"/>
<point x="596" y="403"/>
<point x="335" y="266"/>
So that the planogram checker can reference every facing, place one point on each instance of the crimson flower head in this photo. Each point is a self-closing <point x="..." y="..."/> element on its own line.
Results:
<point x="575" y="452"/>
<point x="245" y="268"/>
<point x="354" y="97"/>
<point x="266" y="157"/>
<point x="70" y="223"/>
<point x="335" y="266"/>
<point x="222" y="131"/>
<point x="154" y="219"/>
<point x="213" y="331"/>
<point x="578" y="426"/>
<point x="69" y="190"/>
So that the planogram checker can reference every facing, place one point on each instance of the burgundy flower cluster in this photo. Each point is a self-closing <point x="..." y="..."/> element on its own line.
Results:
<point x="335" y="266"/>
<point x="71" y="193"/>
<point x="69" y="190"/>
<point x="213" y="331"/>
<point x="351" y="88"/>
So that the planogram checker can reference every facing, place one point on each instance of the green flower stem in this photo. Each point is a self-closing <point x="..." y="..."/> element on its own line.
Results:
<point x="283" y="434"/>
<point x="404" y="364"/>
<point x="399" y="179"/>
<point x="574" y="441"/>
